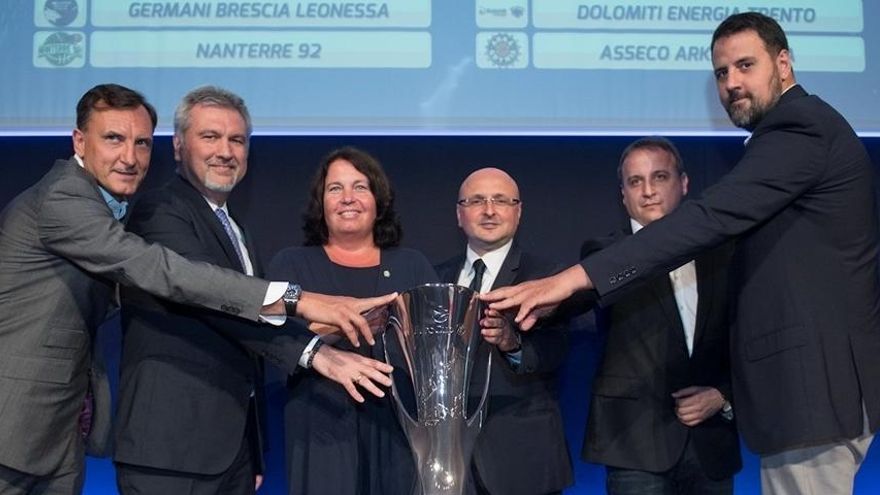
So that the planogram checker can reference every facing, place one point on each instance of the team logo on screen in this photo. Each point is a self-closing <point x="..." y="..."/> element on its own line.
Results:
<point x="502" y="50"/>
<point x="61" y="48"/>
<point x="60" y="12"/>
<point x="516" y="11"/>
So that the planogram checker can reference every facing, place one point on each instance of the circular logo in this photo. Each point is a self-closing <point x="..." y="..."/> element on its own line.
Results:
<point x="61" y="48"/>
<point x="60" y="12"/>
<point x="502" y="50"/>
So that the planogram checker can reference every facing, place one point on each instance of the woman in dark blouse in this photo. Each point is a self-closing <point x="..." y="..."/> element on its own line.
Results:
<point x="336" y="445"/>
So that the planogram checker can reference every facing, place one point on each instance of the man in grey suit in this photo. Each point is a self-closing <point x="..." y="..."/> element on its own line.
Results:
<point x="62" y="250"/>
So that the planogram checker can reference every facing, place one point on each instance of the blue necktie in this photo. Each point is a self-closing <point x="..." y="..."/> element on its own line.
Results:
<point x="227" y="226"/>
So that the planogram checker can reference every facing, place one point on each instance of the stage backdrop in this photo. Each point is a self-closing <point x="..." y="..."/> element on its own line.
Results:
<point x="388" y="67"/>
<point x="569" y="191"/>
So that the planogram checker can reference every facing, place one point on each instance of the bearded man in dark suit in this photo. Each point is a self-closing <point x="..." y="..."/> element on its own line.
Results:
<point x="806" y="296"/>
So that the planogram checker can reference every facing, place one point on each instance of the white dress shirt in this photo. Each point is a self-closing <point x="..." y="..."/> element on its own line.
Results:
<point x="684" y="286"/>
<point x="493" y="260"/>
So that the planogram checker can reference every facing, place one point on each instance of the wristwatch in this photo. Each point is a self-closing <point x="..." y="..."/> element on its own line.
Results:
<point x="726" y="410"/>
<point x="291" y="298"/>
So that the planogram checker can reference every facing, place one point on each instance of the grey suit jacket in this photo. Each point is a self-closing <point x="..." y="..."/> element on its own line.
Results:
<point x="61" y="251"/>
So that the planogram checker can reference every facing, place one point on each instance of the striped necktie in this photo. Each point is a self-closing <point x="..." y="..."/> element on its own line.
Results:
<point x="227" y="226"/>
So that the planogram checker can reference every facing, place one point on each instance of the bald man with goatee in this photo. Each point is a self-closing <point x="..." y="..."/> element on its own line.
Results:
<point x="521" y="449"/>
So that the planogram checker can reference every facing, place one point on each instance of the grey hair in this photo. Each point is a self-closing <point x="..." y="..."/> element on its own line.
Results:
<point x="211" y="96"/>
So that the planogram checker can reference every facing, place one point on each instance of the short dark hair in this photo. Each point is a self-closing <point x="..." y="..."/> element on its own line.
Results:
<point x="386" y="230"/>
<point x="767" y="29"/>
<point x="658" y="143"/>
<point x="104" y="96"/>
<point x="211" y="96"/>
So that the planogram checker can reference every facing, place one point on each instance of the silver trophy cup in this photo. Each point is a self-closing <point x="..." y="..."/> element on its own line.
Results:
<point x="433" y="337"/>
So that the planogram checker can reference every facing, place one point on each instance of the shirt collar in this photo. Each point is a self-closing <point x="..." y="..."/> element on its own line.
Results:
<point x="118" y="208"/>
<point x="214" y="206"/>
<point x="636" y="226"/>
<point x="492" y="259"/>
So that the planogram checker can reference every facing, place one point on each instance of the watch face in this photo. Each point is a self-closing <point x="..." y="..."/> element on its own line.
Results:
<point x="293" y="292"/>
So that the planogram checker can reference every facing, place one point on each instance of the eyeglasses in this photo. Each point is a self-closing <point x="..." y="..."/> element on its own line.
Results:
<point x="498" y="202"/>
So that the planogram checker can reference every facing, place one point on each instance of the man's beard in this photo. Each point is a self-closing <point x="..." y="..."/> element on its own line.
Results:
<point x="748" y="117"/>
<point x="222" y="188"/>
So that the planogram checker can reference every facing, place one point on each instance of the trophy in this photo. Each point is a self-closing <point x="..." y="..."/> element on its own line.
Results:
<point x="433" y="337"/>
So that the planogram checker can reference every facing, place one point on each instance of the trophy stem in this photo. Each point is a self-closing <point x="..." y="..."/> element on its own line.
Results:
<point x="433" y="334"/>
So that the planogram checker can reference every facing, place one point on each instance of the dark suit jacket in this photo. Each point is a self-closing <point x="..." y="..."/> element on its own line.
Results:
<point x="521" y="449"/>
<point x="806" y="324"/>
<point x="632" y="422"/>
<point x="61" y="251"/>
<point x="187" y="373"/>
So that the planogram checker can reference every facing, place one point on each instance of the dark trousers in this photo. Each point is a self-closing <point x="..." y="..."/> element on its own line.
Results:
<point x="685" y="478"/>
<point x="140" y="480"/>
<point x="14" y="482"/>
<point x="475" y="485"/>
<point x="238" y="479"/>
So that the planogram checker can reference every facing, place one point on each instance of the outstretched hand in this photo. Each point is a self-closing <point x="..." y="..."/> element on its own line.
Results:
<point x="351" y="370"/>
<point x="537" y="298"/>
<point x="327" y="314"/>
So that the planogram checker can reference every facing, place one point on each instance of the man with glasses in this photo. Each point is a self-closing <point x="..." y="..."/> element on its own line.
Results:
<point x="521" y="449"/>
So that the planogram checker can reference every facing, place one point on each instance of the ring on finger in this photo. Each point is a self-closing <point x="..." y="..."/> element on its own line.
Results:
<point x="357" y="379"/>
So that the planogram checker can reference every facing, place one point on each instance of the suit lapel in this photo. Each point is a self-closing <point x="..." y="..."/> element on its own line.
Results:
<point x="705" y="295"/>
<point x="251" y="250"/>
<point x="665" y="294"/>
<point x="203" y="211"/>
<point x="661" y="288"/>
<point x="509" y="269"/>
<point x="448" y="272"/>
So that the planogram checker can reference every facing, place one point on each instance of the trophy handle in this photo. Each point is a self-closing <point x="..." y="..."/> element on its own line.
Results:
<point x="406" y="421"/>
<point x="480" y="413"/>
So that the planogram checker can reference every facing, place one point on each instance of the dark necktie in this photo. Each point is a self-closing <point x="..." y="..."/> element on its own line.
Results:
<point x="479" y="269"/>
<point x="227" y="226"/>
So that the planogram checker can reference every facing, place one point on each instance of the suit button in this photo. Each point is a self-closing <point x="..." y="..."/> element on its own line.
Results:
<point x="230" y="309"/>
